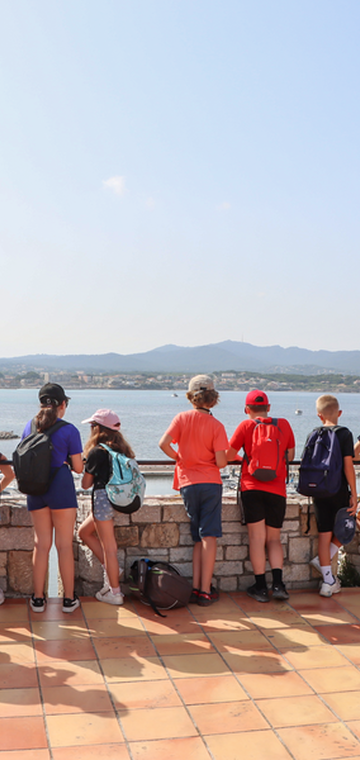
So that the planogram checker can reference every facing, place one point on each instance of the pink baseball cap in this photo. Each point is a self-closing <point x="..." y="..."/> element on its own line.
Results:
<point x="106" y="418"/>
<point x="256" y="398"/>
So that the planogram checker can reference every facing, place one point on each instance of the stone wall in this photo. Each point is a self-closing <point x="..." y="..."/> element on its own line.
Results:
<point x="160" y="530"/>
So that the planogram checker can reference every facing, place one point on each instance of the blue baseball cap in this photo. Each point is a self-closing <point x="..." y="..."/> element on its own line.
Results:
<point x="344" y="527"/>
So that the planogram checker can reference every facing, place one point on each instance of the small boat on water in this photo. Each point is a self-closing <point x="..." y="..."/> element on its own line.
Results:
<point x="174" y="395"/>
<point x="298" y="411"/>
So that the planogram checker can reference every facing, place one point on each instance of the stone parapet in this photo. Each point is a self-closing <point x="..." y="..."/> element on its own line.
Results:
<point x="160" y="530"/>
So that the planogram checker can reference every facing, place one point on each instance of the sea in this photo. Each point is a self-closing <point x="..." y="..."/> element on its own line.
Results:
<point x="145" y="415"/>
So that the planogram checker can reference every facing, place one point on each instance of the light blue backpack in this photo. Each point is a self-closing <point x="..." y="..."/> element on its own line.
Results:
<point x="126" y="486"/>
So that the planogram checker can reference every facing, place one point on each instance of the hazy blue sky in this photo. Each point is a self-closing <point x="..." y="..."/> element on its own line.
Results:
<point x="179" y="171"/>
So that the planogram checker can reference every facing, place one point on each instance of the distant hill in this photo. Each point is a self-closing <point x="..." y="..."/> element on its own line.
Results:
<point x="225" y="356"/>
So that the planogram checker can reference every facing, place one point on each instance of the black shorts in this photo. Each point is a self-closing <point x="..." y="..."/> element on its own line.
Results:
<point x="326" y="509"/>
<point x="261" y="505"/>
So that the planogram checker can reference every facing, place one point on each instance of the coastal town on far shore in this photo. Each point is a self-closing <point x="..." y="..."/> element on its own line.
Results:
<point x="225" y="381"/>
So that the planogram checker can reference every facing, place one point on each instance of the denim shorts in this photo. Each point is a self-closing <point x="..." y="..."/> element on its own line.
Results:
<point x="203" y="505"/>
<point x="102" y="509"/>
<point x="61" y="494"/>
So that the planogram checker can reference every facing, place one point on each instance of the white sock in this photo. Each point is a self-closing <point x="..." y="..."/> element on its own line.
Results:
<point x="115" y="590"/>
<point x="333" y="550"/>
<point x="327" y="574"/>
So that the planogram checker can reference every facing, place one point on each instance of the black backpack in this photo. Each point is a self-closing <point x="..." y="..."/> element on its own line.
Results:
<point x="158" y="585"/>
<point x="32" y="460"/>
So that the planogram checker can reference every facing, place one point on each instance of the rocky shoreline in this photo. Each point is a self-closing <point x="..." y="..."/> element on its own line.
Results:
<point x="7" y="435"/>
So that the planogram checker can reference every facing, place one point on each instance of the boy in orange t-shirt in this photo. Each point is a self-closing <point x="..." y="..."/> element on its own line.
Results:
<point x="202" y="442"/>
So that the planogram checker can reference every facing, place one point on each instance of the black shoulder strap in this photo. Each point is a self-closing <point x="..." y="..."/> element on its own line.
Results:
<point x="58" y="424"/>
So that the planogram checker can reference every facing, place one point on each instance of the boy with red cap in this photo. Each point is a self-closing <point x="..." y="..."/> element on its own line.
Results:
<point x="267" y="444"/>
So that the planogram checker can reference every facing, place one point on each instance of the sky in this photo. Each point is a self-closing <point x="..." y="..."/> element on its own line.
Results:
<point x="179" y="172"/>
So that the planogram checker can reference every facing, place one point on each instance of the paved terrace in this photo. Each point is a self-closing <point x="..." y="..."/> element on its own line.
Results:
<point x="237" y="680"/>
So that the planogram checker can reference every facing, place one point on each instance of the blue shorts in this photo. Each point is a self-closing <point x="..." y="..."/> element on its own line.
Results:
<point x="102" y="509"/>
<point x="61" y="494"/>
<point x="203" y="505"/>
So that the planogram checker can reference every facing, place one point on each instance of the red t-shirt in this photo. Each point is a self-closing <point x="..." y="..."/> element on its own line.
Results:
<point x="198" y="436"/>
<point x="242" y="439"/>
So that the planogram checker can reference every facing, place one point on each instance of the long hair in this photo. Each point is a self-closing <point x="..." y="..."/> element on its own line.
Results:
<point x="113" y="438"/>
<point x="46" y="417"/>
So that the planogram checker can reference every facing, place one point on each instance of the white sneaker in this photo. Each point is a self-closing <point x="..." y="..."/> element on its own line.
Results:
<point x="109" y="597"/>
<point x="2" y="596"/>
<point x="328" y="589"/>
<point x="315" y="563"/>
<point x="106" y="587"/>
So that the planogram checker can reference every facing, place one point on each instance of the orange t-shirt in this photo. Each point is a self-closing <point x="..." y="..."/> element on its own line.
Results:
<point x="199" y="436"/>
<point x="242" y="439"/>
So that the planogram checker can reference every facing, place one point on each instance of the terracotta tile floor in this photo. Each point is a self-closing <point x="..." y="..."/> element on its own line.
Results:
<point x="236" y="681"/>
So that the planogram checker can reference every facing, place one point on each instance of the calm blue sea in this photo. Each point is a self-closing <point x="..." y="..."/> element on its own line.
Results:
<point x="145" y="415"/>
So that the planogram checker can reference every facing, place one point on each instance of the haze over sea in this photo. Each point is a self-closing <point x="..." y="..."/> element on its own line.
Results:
<point x="145" y="415"/>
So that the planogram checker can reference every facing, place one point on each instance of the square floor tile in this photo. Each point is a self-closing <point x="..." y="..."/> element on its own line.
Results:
<point x="341" y="634"/>
<point x="58" y="629"/>
<point x="20" y="702"/>
<point x="22" y="733"/>
<point x="74" y="699"/>
<point x="227" y="717"/>
<point x="65" y="649"/>
<point x="252" y="745"/>
<point x="14" y="675"/>
<point x="261" y="685"/>
<point x="182" y="643"/>
<point x="26" y="754"/>
<point x="60" y="673"/>
<point x="108" y="627"/>
<point x="157" y="723"/>
<point x="288" y="638"/>
<point x="15" y="632"/>
<point x="135" y="695"/>
<point x="133" y="668"/>
<point x="326" y="741"/>
<point x="125" y="646"/>
<point x="211" y="689"/>
<point x="231" y="641"/>
<point x="295" y="711"/>
<point x="351" y="652"/>
<point x="195" y="665"/>
<point x="170" y="749"/>
<point x="17" y="652"/>
<point x="325" y="680"/>
<point x="344" y="703"/>
<point x="73" y="730"/>
<point x="256" y="662"/>
<point x="13" y="613"/>
<point x="316" y="657"/>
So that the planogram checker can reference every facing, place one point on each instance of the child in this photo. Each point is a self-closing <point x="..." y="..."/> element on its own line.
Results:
<point x="202" y="442"/>
<point x="264" y="502"/>
<point x="97" y="531"/>
<point x="328" y="411"/>
<point x="56" y="509"/>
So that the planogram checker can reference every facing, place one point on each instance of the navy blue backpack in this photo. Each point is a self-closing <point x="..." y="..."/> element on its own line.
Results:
<point x="321" y="464"/>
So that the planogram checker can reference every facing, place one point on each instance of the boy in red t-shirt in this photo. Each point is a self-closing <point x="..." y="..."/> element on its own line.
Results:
<point x="202" y="442"/>
<point x="264" y="502"/>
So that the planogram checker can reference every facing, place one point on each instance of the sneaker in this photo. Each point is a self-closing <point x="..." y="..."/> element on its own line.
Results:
<point x="204" y="599"/>
<point x="2" y="596"/>
<point x="279" y="591"/>
<point x="109" y="597"/>
<point x="315" y="563"/>
<point x="69" y="605"/>
<point x="106" y="584"/>
<point x="37" y="603"/>
<point x="260" y="595"/>
<point x="194" y="598"/>
<point x="328" y="589"/>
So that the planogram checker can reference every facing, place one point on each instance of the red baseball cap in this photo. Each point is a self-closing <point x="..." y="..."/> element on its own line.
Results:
<point x="256" y="398"/>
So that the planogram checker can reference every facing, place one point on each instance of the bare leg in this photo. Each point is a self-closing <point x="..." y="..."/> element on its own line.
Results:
<point x="87" y="533"/>
<point x="257" y="540"/>
<point x="43" y="535"/>
<point x="274" y="548"/>
<point x="105" y="529"/>
<point x="208" y="557"/>
<point x="64" y="523"/>
<point x="197" y="564"/>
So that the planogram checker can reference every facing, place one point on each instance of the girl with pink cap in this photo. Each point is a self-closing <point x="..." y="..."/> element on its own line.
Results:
<point x="97" y="531"/>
